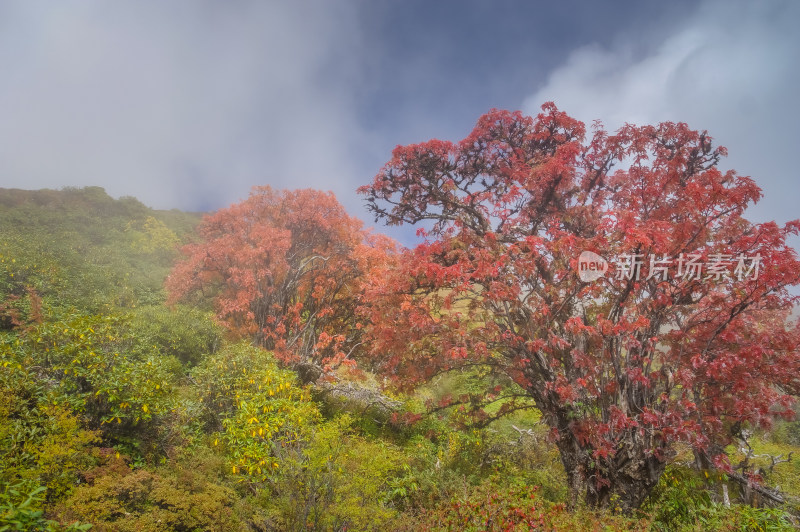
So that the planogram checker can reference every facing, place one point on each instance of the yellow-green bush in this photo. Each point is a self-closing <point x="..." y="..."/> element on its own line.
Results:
<point x="41" y="440"/>
<point x="85" y="354"/>
<point x="335" y="480"/>
<point x="160" y="500"/>
<point x="253" y="407"/>
<point x="183" y="332"/>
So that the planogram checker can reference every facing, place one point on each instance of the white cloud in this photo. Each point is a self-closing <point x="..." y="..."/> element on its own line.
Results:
<point x="178" y="102"/>
<point x="731" y="68"/>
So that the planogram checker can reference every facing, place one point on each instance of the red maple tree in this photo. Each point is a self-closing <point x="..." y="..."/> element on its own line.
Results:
<point x="285" y="268"/>
<point x="684" y="339"/>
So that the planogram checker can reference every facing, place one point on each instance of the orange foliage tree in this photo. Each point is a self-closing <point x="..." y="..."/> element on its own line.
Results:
<point x="284" y="268"/>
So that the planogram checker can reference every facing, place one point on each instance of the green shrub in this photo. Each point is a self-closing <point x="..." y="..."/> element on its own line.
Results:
<point x="41" y="440"/>
<point x="252" y="406"/>
<point x="21" y="509"/>
<point x="677" y="499"/>
<point x="85" y="354"/>
<point x="334" y="480"/>
<point x="182" y="332"/>
<point x="682" y="501"/>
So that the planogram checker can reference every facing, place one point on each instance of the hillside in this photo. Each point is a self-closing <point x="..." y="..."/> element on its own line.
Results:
<point x="81" y="247"/>
<point x="120" y="413"/>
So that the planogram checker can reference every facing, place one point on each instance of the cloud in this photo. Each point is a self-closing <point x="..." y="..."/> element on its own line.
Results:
<point x="729" y="68"/>
<point x="182" y="104"/>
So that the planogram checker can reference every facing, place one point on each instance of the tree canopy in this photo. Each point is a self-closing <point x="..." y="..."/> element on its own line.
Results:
<point x="284" y="268"/>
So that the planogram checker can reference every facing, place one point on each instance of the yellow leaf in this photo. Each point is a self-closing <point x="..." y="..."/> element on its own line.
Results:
<point x="144" y="408"/>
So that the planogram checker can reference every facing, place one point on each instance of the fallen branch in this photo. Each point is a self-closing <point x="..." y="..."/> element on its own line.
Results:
<point x="773" y="495"/>
<point x="357" y="398"/>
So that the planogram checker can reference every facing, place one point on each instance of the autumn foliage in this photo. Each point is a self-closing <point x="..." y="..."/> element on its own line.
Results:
<point x="284" y="268"/>
<point x="623" y="368"/>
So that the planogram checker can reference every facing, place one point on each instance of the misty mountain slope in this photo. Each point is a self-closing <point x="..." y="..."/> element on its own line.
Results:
<point x="83" y="248"/>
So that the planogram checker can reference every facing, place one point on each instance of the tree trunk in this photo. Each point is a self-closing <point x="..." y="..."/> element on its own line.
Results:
<point x="620" y="481"/>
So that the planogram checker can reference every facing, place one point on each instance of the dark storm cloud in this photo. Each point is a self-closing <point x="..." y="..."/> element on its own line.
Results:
<point x="434" y="67"/>
<point x="730" y="67"/>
